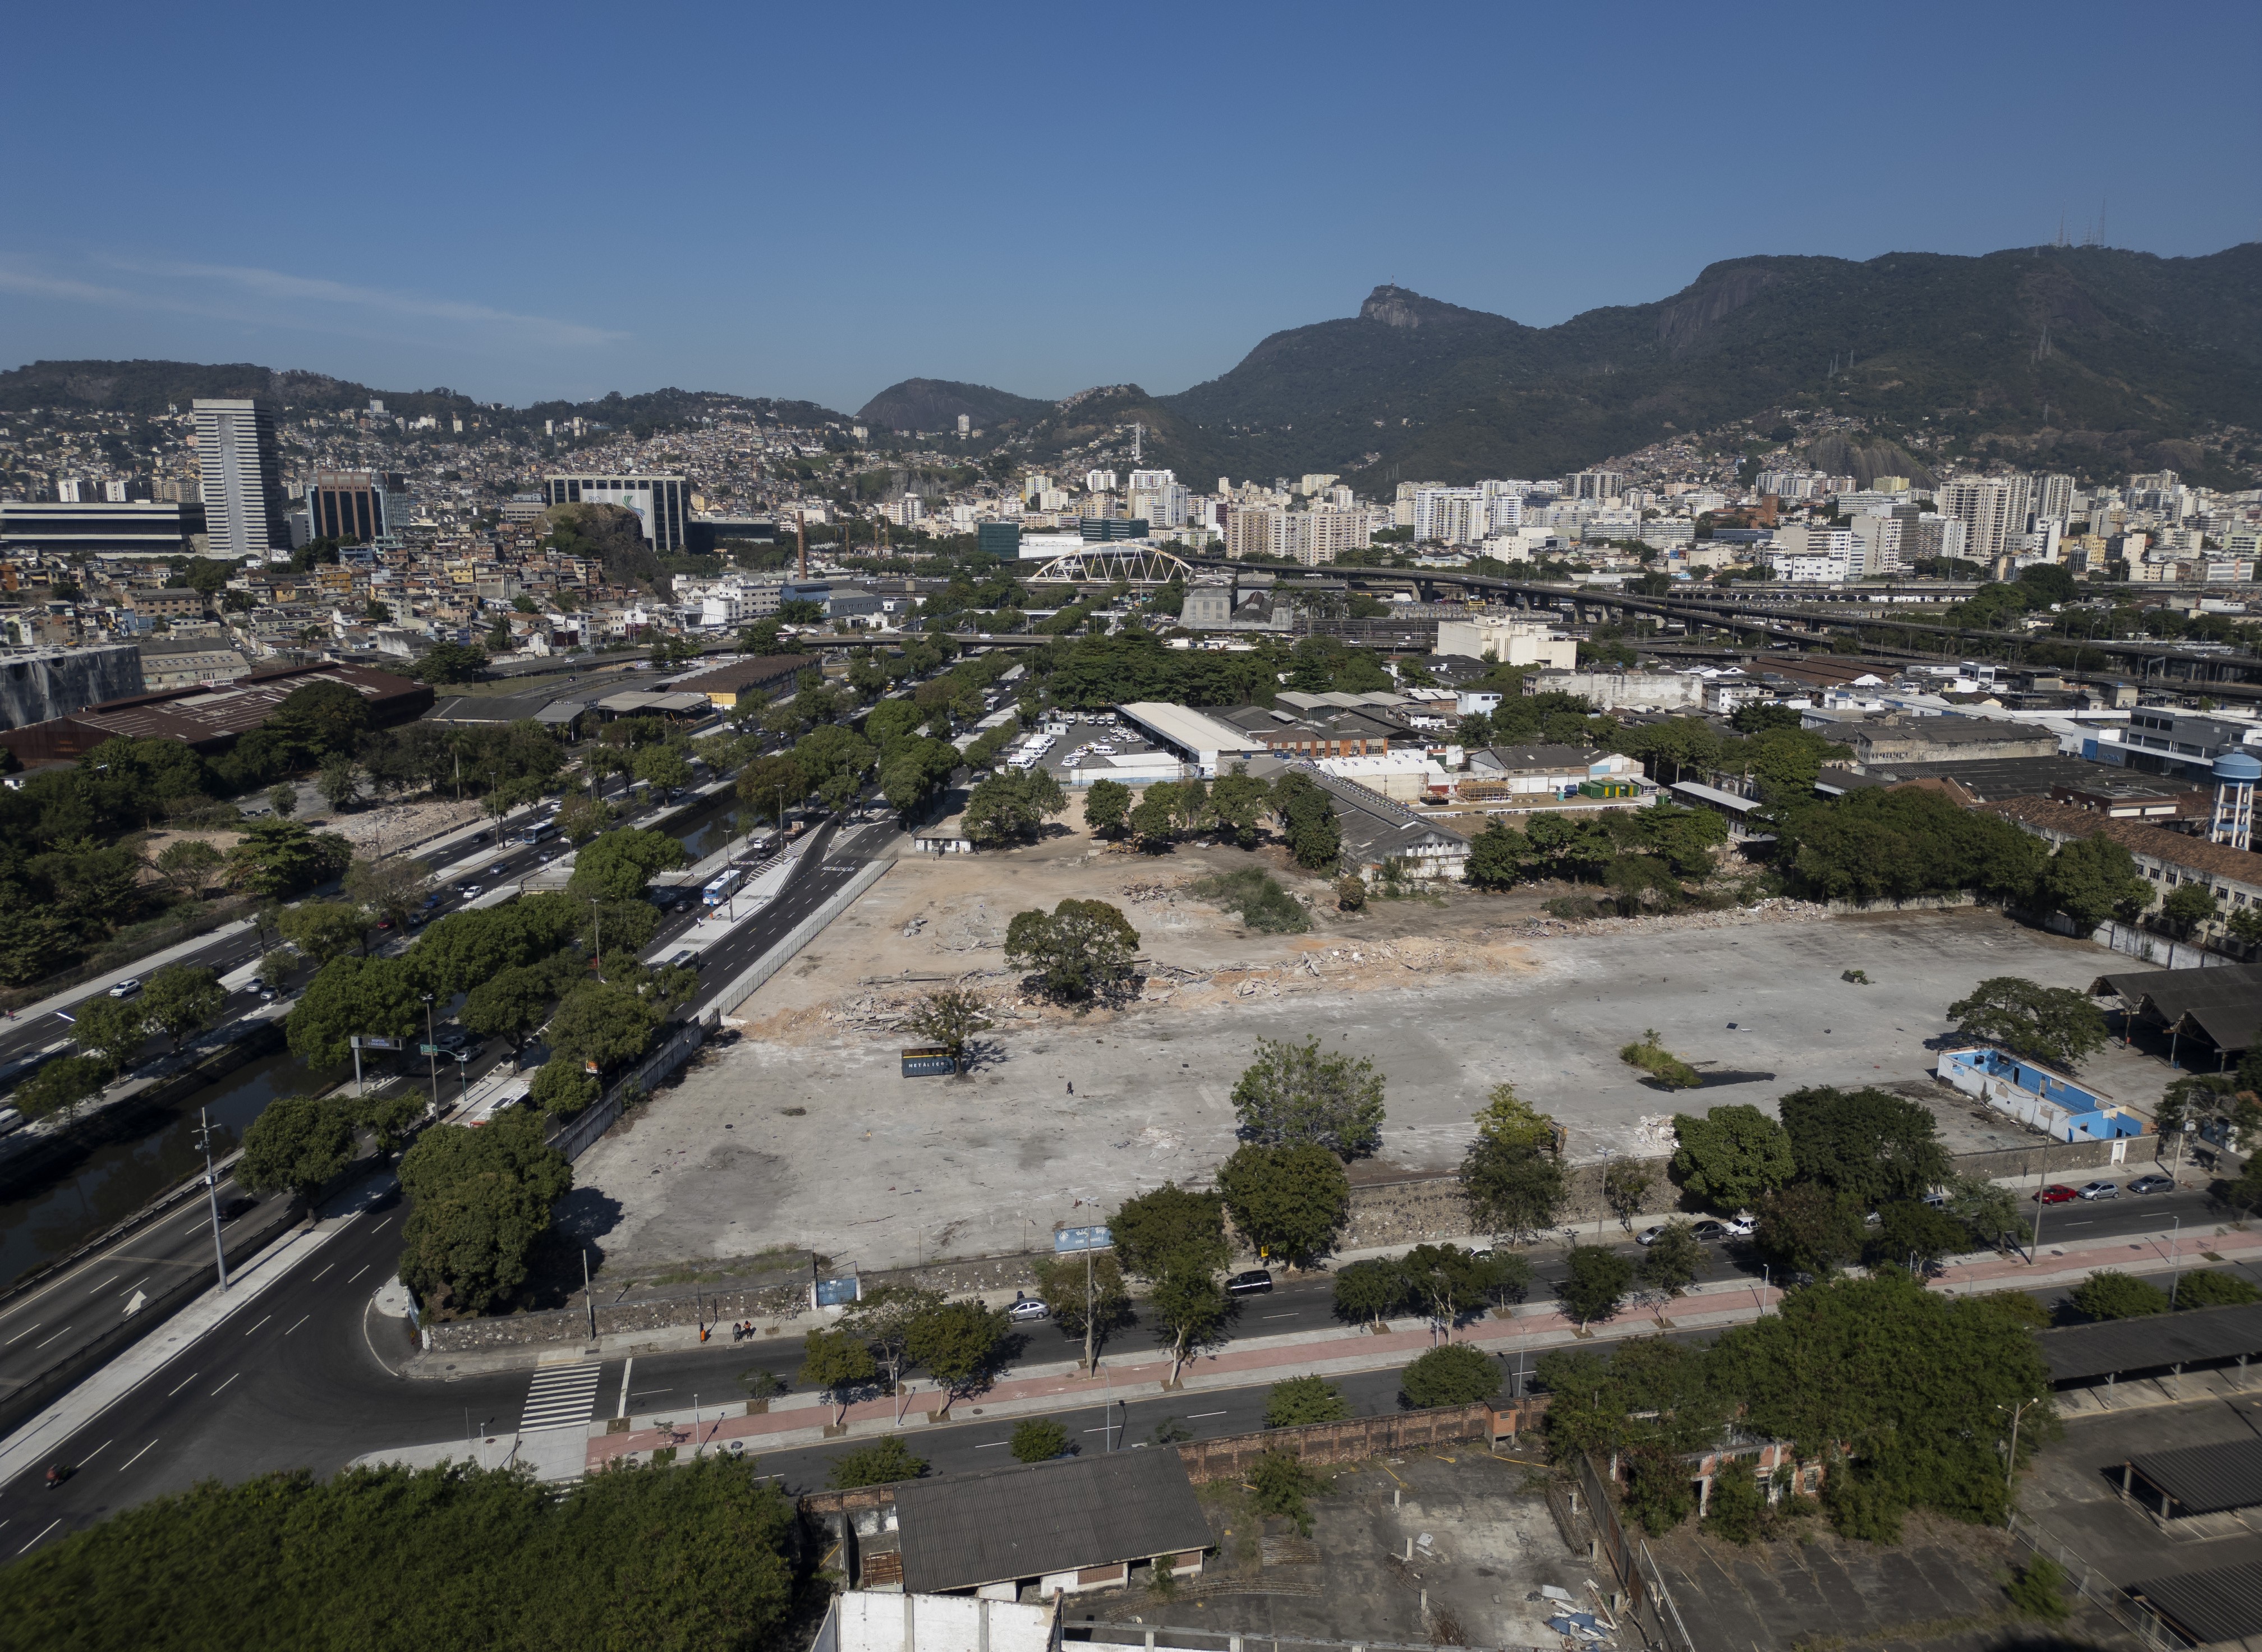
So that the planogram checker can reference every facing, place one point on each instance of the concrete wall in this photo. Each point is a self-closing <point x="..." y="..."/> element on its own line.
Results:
<point x="36" y="686"/>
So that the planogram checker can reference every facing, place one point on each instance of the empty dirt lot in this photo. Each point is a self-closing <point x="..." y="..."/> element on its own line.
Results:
<point x="804" y="1134"/>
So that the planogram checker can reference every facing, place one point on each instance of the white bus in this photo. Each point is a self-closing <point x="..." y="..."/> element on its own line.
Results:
<point x="719" y="891"/>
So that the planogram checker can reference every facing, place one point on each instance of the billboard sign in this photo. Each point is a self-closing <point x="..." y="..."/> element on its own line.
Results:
<point x="1066" y="1239"/>
<point x="838" y="1293"/>
<point x="928" y="1061"/>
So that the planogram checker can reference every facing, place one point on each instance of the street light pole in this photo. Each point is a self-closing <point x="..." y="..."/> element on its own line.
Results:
<point x="212" y="1192"/>
<point x="2175" y="1260"/>
<point x="431" y="1057"/>
<point x="2041" y="1186"/>
<point x="2011" y="1467"/>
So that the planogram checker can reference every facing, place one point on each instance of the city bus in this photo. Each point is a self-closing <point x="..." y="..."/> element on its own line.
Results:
<point x="719" y="891"/>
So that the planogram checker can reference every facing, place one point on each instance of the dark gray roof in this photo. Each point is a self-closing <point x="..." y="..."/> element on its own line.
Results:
<point x="2207" y="1479"/>
<point x="2209" y="1607"/>
<point x="2192" y="1337"/>
<point x="2224" y="1004"/>
<point x="1991" y="779"/>
<point x="1526" y="759"/>
<point x="970" y="1529"/>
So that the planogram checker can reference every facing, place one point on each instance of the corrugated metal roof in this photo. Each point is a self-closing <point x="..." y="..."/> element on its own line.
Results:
<point x="1037" y="1517"/>
<point x="2207" y="1479"/>
<point x="2224" y="1003"/>
<point x="2191" y="1337"/>
<point x="2209" y="1607"/>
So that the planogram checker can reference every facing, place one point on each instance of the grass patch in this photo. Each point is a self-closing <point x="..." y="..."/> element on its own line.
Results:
<point x="1263" y="904"/>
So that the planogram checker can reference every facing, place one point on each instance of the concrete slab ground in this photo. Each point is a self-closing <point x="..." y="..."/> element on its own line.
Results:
<point x="803" y="1134"/>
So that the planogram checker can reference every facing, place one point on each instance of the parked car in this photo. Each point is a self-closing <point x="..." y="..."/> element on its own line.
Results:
<point x="127" y="987"/>
<point x="1712" y="1231"/>
<point x="2057" y="1193"/>
<point x="1648" y="1235"/>
<point x="1027" y="1310"/>
<point x="2098" y="1190"/>
<point x="1254" y="1283"/>
<point x="2152" y="1184"/>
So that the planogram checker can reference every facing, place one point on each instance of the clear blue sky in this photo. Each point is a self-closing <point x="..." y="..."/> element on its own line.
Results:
<point x="523" y="201"/>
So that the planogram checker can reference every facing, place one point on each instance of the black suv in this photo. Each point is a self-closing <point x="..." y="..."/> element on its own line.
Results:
<point x="1254" y="1283"/>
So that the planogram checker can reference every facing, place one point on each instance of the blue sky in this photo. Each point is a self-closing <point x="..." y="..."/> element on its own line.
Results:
<point x="524" y="201"/>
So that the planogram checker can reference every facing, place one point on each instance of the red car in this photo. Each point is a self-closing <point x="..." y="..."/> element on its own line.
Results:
<point x="2057" y="1193"/>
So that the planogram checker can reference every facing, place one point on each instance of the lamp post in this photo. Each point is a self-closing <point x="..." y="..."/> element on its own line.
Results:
<point x="212" y="1191"/>
<point x="2175" y="1260"/>
<point x="431" y="1059"/>
<point x="2011" y="1465"/>
<point x="2042" y="1187"/>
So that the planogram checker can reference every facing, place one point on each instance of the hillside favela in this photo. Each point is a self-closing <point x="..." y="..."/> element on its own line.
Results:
<point x="793" y="1017"/>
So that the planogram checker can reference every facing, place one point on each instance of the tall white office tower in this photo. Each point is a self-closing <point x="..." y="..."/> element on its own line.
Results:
<point x="240" y="470"/>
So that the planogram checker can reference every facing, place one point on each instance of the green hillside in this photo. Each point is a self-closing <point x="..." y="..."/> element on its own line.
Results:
<point x="935" y="403"/>
<point x="2141" y="354"/>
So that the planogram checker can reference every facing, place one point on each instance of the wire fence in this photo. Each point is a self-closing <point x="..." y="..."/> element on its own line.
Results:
<point x="2094" y="1587"/>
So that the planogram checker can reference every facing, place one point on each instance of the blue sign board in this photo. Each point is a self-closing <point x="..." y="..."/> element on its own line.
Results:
<point x="929" y="1061"/>
<point x="1082" y="1238"/>
<point x="836" y="1293"/>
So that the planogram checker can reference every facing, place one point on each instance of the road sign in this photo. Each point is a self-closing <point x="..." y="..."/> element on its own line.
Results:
<point x="366" y="1041"/>
<point x="429" y="1049"/>
<point x="1082" y="1238"/>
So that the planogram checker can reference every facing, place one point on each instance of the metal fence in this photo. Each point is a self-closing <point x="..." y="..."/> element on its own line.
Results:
<point x="1353" y="1440"/>
<point x="2094" y="1587"/>
<point x="576" y="1134"/>
<point x="744" y="985"/>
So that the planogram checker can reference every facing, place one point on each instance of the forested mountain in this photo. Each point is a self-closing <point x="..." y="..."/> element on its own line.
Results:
<point x="935" y="403"/>
<point x="2087" y="350"/>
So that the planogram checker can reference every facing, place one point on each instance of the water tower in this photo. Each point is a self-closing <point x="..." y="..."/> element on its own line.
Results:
<point x="2234" y="775"/>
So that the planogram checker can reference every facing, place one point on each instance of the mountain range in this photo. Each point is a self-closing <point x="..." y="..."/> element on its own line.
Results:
<point x="2086" y="359"/>
<point x="2083" y="358"/>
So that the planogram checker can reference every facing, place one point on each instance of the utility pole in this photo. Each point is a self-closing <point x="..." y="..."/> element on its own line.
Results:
<point x="2041" y="1186"/>
<point x="432" y="1058"/>
<point x="1087" y="1310"/>
<point x="801" y="539"/>
<point x="2175" y="1261"/>
<point x="212" y="1192"/>
<point x="2011" y="1467"/>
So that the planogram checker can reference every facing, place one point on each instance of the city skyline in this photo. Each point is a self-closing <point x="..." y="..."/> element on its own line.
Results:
<point x="961" y="205"/>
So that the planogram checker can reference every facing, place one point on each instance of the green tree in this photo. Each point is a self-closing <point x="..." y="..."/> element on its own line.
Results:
<point x="1289" y="1200"/>
<point x="1909" y="1228"/>
<point x="188" y="865"/>
<point x="450" y="663"/>
<point x="1011" y="807"/>
<point x="181" y="1000"/>
<point x="280" y="859"/>
<point x="1807" y="1228"/>
<point x="617" y="866"/>
<point x="1190" y="1308"/>
<point x="958" y="1343"/>
<point x="2189" y="907"/>
<point x="1661" y="1063"/>
<point x="883" y="1316"/>
<point x="1106" y="807"/>
<point x="1497" y="856"/>
<point x="1281" y="1484"/>
<point x="561" y="1087"/>
<point x="662" y="766"/>
<point x="349" y="997"/>
<point x="1727" y="1158"/>
<point x="1671" y="1262"/>
<point x="283" y="799"/>
<point x="884" y="1462"/>
<point x="60" y="1085"/>
<point x="1597" y="1278"/>
<point x="510" y="1004"/>
<point x="604" y="1023"/>
<point x="1370" y="1291"/>
<point x="1626" y="1183"/>
<point x="1153" y="820"/>
<point x="1298" y="1400"/>
<point x="324" y="930"/>
<point x="1868" y="1144"/>
<point x="299" y="1143"/>
<point x="1240" y="801"/>
<point x="1986" y="1210"/>
<point x="1738" y="1508"/>
<point x="394" y="889"/>
<point x="112" y="1029"/>
<point x="836" y="1359"/>
<point x="836" y="760"/>
<point x="771" y="786"/>
<point x="1039" y="1439"/>
<point x="2109" y="1294"/>
<point x="2208" y="1288"/>
<point x="1171" y="1230"/>
<point x="1070" y="1284"/>
<point x="1294" y="1093"/>
<point x="2043" y="1023"/>
<point x="2093" y="878"/>
<point x="2039" y="1590"/>
<point x="1451" y="1373"/>
<point x="1082" y="949"/>
<point x="949" y="1018"/>
<point x="1449" y="1281"/>
<point x="470" y="1556"/>
<point x="339" y="781"/>
<point x="1512" y="1186"/>
<point x="1307" y="820"/>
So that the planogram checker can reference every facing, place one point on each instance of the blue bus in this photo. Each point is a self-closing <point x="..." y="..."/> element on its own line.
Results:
<point x="541" y="831"/>
<point x="719" y="891"/>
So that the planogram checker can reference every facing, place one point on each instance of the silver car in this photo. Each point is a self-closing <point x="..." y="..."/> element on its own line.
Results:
<point x="2098" y="1190"/>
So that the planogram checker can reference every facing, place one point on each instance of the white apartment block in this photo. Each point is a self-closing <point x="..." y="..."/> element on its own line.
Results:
<point x="1157" y="497"/>
<point x="1808" y="555"/>
<point x="1992" y="509"/>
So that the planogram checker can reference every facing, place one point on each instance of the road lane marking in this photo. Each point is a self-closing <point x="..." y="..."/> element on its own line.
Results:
<point x="215" y="1393"/>
<point x="990" y="1444"/>
<point x="1198" y="1416"/>
<point x="264" y="1319"/>
<point x="136" y="1285"/>
<point x="356" y="1273"/>
<point x="300" y="1320"/>
<point x="185" y="1381"/>
<point x="43" y="1341"/>
<point x="325" y="1268"/>
<point x="96" y="1452"/>
<point x="136" y="1457"/>
<point x="20" y="1335"/>
<point x="27" y="1548"/>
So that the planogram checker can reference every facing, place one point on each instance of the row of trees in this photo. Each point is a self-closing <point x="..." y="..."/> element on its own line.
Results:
<point x="1645" y="856"/>
<point x="1234" y="807"/>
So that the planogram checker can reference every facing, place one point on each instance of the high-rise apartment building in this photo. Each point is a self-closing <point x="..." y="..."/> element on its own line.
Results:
<point x="1451" y="515"/>
<point x="240" y="470"/>
<point x="1099" y="481"/>
<point x="1157" y="496"/>
<point x="657" y="501"/>
<point x="1596" y="484"/>
<point x="1992" y="510"/>
<point x="2054" y="499"/>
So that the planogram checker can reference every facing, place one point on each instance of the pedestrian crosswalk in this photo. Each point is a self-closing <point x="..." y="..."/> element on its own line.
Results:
<point x="563" y="1396"/>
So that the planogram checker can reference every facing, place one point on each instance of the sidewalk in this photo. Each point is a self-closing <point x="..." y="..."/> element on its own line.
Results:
<point x="804" y="1419"/>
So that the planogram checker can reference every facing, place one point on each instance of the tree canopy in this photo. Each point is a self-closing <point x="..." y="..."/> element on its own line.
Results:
<point x="1298" y="1093"/>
